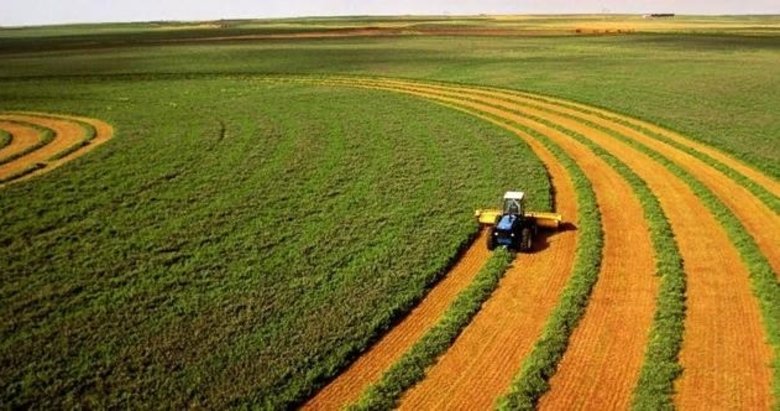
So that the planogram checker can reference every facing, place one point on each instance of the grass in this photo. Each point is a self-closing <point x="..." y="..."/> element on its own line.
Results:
<point x="695" y="84"/>
<point x="46" y="137"/>
<point x="410" y="368"/>
<point x="23" y="172"/>
<point x="5" y="139"/>
<point x="237" y="255"/>
<point x="204" y="286"/>
<point x="760" y="192"/>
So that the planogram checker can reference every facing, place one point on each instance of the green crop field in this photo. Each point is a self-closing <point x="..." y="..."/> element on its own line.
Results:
<point x="244" y="237"/>
<point x="253" y="237"/>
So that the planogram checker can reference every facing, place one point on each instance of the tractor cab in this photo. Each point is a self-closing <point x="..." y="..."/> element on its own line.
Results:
<point x="514" y="203"/>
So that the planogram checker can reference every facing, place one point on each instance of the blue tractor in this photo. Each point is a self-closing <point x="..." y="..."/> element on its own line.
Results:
<point x="513" y="226"/>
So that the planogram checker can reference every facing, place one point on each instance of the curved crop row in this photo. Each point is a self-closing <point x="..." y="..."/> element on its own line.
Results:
<point x="760" y="270"/>
<point x="586" y="270"/>
<point x="762" y="277"/>
<point x="766" y="191"/>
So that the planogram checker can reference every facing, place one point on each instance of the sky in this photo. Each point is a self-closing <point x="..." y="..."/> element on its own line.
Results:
<point x="39" y="12"/>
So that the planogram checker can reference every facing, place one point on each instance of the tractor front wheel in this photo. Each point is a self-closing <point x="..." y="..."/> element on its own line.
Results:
<point x="491" y="239"/>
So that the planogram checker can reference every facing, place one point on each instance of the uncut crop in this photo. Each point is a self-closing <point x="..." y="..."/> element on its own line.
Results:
<point x="236" y="243"/>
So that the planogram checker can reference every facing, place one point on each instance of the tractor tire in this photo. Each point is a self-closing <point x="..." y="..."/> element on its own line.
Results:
<point x="491" y="240"/>
<point x="526" y="239"/>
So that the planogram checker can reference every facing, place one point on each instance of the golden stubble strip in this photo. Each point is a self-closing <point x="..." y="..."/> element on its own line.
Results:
<point x="67" y="133"/>
<point x="23" y="137"/>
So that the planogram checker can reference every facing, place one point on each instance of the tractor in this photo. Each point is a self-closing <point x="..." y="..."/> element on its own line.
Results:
<point x="514" y="227"/>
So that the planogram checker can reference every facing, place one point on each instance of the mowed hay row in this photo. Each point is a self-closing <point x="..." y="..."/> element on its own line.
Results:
<point x="736" y="365"/>
<point x="23" y="138"/>
<point x="759" y="267"/>
<point x="65" y="138"/>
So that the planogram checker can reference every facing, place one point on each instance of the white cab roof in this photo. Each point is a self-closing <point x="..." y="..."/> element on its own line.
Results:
<point x="514" y="195"/>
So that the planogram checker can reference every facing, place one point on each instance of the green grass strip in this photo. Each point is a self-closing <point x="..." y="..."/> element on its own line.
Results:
<point x="410" y="368"/>
<point x="69" y="150"/>
<point x="5" y="139"/>
<point x="23" y="172"/>
<point x="46" y="137"/>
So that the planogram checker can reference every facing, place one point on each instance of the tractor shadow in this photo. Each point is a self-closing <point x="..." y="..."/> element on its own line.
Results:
<point x="542" y="239"/>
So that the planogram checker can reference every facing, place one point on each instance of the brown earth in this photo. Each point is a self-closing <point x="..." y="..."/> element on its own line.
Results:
<point x="22" y="137"/>
<point x="370" y="366"/>
<point x="726" y="366"/>
<point x="67" y="133"/>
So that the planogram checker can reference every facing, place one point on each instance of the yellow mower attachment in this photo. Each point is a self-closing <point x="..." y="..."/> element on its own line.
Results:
<point x="543" y="219"/>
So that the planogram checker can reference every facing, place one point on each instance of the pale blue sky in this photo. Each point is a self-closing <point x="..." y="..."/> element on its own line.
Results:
<point x="33" y="12"/>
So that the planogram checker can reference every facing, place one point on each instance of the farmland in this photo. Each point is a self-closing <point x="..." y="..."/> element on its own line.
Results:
<point x="283" y="221"/>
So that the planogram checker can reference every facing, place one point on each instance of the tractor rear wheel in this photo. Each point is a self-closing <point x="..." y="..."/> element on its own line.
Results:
<point x="526" y="239"/>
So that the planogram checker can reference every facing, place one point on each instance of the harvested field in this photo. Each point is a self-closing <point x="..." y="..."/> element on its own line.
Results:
<point x="72" y="138"/>
<point x="714" y="355"/>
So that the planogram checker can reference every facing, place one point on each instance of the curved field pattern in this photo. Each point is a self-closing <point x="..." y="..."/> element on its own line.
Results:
<point x="41" y="142"/>
<point x="727" y="348"/>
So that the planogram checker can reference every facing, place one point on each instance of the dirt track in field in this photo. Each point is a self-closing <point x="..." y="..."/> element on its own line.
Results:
<point x="726" y="366"/>
<point x="367" y="369"/>
<point x="68" y="131"/>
